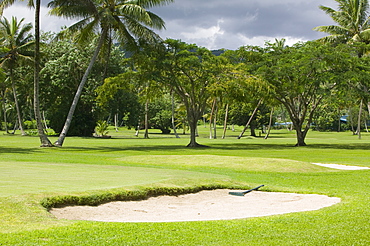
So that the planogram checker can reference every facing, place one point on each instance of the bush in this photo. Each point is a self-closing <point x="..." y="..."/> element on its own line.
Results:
<point x="30" y="124"/>
<point x="101" y="129"/>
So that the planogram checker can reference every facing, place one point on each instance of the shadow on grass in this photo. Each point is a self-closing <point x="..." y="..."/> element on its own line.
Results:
<point x="18" y="150"/>
<point x="215" y="147"/>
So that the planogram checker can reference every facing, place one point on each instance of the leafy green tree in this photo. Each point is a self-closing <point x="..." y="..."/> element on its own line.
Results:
<point x="303" y="75"/>
<point x="246" y="90"/>
<point x="45" y="142"/>
<point x="126" y="19"/>
<point x="189" y="71"/>
<point x="17" y="47"/>
<point x="64" y="63"/>
<point x="160" y="113"/>
<point x="117" y="97"/>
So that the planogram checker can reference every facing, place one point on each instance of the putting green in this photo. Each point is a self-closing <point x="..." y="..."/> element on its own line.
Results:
<point x="22" y="178"/>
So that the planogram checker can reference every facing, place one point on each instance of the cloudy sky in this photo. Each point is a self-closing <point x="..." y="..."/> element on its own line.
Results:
<point x="224" y="24"/>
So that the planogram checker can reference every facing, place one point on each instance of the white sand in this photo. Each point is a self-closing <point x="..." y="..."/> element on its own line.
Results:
<point x="341" y="167"/>
<point x="204" y="205"/>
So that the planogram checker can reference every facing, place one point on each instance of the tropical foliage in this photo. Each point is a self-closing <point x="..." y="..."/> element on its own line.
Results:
<point x="126" y="75"/>
<point x="120" y="20"/>
<point x="352" y="22"/>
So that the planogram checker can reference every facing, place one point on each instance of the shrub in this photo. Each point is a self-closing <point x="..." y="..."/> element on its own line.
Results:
<point x="101" y="128"/>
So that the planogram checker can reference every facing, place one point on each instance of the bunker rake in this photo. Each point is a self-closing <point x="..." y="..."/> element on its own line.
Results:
<point x="242" y="193"/>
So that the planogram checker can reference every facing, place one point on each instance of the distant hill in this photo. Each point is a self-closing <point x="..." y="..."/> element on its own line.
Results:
<point x="217" y="52"/>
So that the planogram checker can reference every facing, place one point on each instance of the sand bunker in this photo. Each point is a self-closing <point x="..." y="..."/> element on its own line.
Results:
<point x="341" y="167"/>
<point x="204" y="205"/>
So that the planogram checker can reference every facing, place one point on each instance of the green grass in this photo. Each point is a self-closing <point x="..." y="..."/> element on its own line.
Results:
<point x="89" y="168"/>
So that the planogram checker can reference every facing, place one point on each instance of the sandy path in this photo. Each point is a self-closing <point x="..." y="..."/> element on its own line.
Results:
<point x="204" y="205"/>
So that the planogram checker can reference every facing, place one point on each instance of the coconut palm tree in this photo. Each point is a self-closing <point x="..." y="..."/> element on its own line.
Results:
<point x="352" y="22"/>
<point x="16" y="48"/>
<point x="353" y="26"/>
<point x="45" y="142"/>
<point x="125" y="20"/>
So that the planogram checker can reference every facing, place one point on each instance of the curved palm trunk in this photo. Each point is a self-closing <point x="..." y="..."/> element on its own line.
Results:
<point x="5" y="118"/>
<point x="215" y="123"/>
<point x="173" y="115"/>
<point x="250" y="119"/>
<point x="76" y="98"/>
<point x="270" y="124"/>
<point x="146" y="120"/>
<point x="211" y="118"/>
<point x="359" y="121"/>
<point x="225" y="121"/>
<point x="45" y="142"/>
<point x="19" y="115"/>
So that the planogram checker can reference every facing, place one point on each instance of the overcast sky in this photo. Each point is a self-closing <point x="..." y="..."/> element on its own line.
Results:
<point x="219" y="24"/>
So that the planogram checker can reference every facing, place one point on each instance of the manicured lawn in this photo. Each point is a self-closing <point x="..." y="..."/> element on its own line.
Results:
<point x="88" y="167"/>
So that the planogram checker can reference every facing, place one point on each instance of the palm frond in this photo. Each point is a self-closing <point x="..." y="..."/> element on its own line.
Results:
<point x="4" y="4"/>
<point x="73" y="9"/>
<point x="365" y="35"/>
<point x="134" y="11"/>
<point x="153" y="3"/>
<point x="157" y="22"/>
<point x="333" y="30"/>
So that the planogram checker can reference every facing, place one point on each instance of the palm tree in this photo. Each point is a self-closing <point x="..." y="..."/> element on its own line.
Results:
<point x="45" y="142"/>
<point x="16" y="45"/>
<point x="353" y="22"/>
<point x="126" y="20"/>
<point x="353" y="26"/>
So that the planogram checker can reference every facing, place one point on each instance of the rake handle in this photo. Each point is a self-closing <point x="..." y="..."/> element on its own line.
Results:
<point x="247" y="191"/>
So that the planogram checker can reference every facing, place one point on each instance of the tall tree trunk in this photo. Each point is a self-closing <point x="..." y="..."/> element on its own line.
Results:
<point x="116" y="121"/>
<point x="253" y="128"/>
<point x="138" y="128"/>
<point x="173" y="114"/>
<point x="225" y="121"/>
<point x="367" y="130"/>
<point x="215" y="122"/>
<point x="358" y="132"/>
<point x="250" y="119"/>
<point x="193" y="134"/>
<point x="339" y="120"/>
<point x="301" y="135"/>
<point x="146" y="120"/>
<point x="193" y="117"/>
<point x="76" y="98"/>
<point x="44" y="121"/>
<point x="211" y="117"/>
<point x="45" y="142"/>
<point x="270" y="124"/>
<point x="19" y="115"/>
<point x="5" y="118"/>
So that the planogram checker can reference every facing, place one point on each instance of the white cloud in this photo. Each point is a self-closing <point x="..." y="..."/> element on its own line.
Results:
<point x="222" y="24"/>
<point x="48" y="23"/>
<point x="261" y="40"/>
<point x="204" y="36"/>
